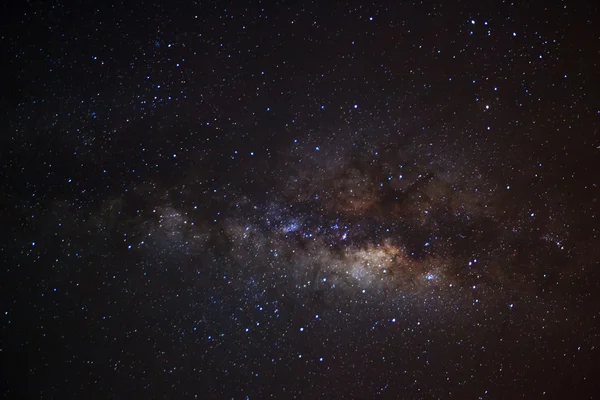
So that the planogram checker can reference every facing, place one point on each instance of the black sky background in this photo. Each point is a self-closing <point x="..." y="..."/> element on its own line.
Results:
<point x="300" y="199"/>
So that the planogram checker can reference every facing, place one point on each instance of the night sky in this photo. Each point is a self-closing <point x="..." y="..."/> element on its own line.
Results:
<point x="300" y="200"/>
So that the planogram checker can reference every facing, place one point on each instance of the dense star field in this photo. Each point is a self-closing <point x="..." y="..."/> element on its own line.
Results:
<point x="300" y="200"/>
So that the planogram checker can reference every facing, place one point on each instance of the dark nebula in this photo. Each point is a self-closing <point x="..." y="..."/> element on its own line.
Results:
<point x="300" y="200"/>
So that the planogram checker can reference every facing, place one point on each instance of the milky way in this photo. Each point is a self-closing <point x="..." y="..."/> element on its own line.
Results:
<point x="357" y="222"/>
